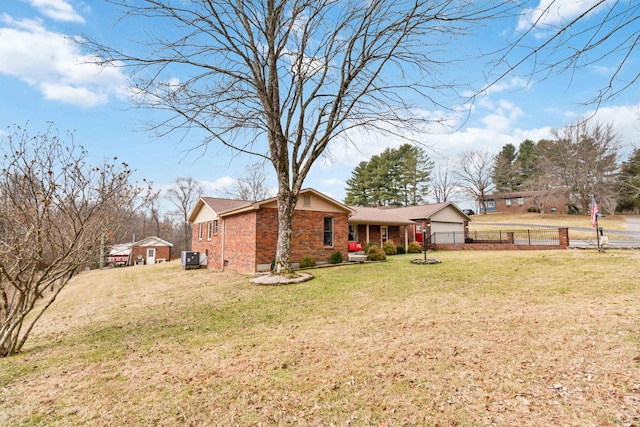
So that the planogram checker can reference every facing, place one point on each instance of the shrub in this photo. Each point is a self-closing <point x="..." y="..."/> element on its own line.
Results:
<point x="414" y="248"/>
<point x="368" y="246"/>
<point x="308" y="261"/>
<point x="389" y="247"/>
<point x="336" y="258"/>
<point x="400" y="249"/>
<point x="376" y="254"/>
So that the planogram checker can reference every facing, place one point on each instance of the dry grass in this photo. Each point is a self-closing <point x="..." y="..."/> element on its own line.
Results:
<point x="484" y="338"/>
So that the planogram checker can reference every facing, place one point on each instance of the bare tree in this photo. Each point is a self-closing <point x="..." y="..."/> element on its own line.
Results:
<point x="252" y="186"/>
<point x="280" y="79"/>
<point x="583" y="157"/>
<point x="55" y="212"/>
<point x="443" y="183"/>
<point x="184" y="194"/>
<point x="474" y="170"/>
<point x="556" y="38"/>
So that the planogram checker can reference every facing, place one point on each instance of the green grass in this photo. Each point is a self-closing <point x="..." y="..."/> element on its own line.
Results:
<point x="505" y="338"/>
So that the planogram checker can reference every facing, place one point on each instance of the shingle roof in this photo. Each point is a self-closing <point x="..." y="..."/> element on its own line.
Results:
<point x="362" y="215"/>
<point x="422" y="211"/>
<point x="221" y="205"/>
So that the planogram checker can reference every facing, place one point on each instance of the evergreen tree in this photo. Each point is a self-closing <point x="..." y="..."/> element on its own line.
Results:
<point x="396" y="177"/>
<point x="629" y="184"/>
<point x="503" y="173"/>
<point x="527" y="162"/>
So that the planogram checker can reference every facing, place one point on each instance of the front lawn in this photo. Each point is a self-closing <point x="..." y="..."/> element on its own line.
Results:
<point x="484" y="338"/>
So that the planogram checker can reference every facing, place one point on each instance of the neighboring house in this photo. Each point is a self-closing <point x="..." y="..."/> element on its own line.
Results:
<point x="551" y="201"/>
<point x="240" y="235"/>
<point x="150" y="250"/>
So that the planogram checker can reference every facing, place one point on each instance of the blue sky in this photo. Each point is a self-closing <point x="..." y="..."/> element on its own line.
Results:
<point x="45" y="78"/>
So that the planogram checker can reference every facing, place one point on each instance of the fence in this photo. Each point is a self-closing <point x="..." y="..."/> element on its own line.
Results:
<point x="538" y="237"/>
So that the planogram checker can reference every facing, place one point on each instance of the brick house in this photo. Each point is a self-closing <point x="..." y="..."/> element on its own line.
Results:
<point x="379" y="225"/>
<point x="405" y="225"/>
<point x="240" y="235"/>
<point x="552" y="201"/>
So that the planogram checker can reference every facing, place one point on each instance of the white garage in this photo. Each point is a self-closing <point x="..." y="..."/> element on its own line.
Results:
<point x="445" y="223"/>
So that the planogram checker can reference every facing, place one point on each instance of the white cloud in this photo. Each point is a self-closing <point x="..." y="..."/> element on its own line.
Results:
<point x="625" y="120"/>
<point x="217" y="187"/>
<point x="54" y="64"/>
<point x="59" y="10"/>
<point x="550" y="13"/>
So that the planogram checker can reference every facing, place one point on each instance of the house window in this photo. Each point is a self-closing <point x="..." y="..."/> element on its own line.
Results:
<point x="328" y="231"/>
<point x="384" y="233"/>
<point x="151" y="253"/>
<point x="209" y="229"/>
<point x="200" y="231"/>
<point x="353" y="233"/>
<point x="520" y="201"/>
<point x="491" y="204"/>
<point x="507" y="202"/>
<point x="215" y="226"/>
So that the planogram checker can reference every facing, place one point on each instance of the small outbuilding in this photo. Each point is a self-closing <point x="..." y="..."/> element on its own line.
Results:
<point x="151" y="250"/>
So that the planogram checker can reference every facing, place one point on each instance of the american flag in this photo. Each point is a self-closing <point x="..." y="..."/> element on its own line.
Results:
<point x="594" y="212"/>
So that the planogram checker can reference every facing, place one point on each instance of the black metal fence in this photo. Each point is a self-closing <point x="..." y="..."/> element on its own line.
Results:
<point x="536" y="236"/>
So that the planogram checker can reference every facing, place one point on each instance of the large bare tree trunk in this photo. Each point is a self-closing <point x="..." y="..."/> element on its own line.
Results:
<point x="286" y="205"/>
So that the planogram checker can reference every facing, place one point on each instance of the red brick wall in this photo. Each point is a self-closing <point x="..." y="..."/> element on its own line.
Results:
<point x="211" y="248"/>
<point x="240" y="242"/>
<point x="266" y="235"/>
<point x="308" y="235"/>
<point x="250" y="239"/>
<point x="307" y="238"/>
<point x="161" y="252"/>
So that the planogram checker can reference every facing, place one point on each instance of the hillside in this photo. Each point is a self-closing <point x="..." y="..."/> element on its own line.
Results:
<point x="504" y="338"/>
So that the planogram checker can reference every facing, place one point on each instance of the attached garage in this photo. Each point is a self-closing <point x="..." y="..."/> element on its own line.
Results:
<point x="447" y="232"/>
<point x="444" y="223"/>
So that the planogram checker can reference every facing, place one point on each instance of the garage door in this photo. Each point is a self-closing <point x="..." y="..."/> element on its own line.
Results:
<point x="447" y="232"/>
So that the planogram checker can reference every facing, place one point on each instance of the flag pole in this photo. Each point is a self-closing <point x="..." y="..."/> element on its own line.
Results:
<point x="594" y="219"/>
<point x="598" y="233"/>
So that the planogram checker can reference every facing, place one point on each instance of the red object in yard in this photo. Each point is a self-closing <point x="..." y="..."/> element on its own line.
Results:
<point x="355" y="246"/>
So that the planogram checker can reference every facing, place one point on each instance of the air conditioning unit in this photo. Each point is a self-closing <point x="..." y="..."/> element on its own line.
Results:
<point x="189" y="260"/>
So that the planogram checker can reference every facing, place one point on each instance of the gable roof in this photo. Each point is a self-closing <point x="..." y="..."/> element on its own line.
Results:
<point x="152" y="241"/>
<point x="427" y="211"/>
<point x="224" y="207"/>
<point x="217" y="205"/>
<point x="365" y="215"/>
<point x="400" y="216"/>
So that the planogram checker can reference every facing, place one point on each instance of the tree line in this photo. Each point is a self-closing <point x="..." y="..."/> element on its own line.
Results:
<point x="580" y="160"/>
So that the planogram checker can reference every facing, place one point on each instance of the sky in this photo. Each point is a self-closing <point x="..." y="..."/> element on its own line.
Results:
<point x="46" y="78"/>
